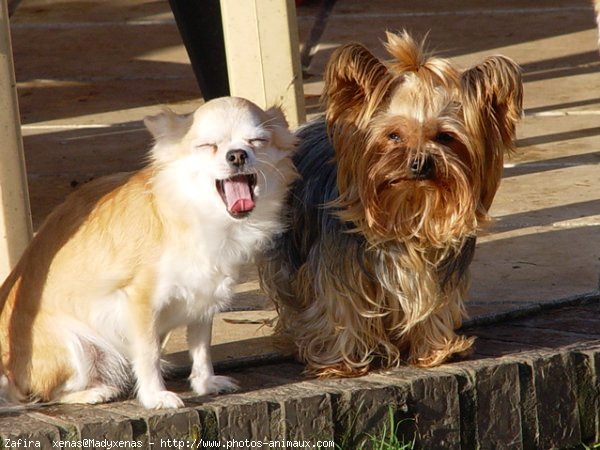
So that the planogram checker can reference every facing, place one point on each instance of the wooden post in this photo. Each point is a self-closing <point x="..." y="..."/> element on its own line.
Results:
<point x="15" y="217"/>
<point x="263" y="57"/>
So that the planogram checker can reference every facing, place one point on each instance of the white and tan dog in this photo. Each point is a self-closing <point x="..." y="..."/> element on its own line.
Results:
<point x="129" y="257"/>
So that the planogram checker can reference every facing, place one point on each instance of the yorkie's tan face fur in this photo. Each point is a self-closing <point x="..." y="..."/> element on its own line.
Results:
<point x="413" y="158"/>
<point x="394" y="185"/>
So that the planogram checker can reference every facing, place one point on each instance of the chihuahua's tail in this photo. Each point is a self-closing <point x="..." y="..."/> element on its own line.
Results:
<point x="4" y="389"/>
<point x="7" y="391"/>
<point x="12" y="402"/>
<point x="8" y="395"/>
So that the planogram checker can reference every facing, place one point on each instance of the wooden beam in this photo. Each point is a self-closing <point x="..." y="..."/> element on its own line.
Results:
<point x="15" y="217"/>
<point x="199" y="23"/>
<point x="263" y="60"/>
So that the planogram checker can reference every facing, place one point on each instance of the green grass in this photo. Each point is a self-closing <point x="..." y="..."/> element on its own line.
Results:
<point x="385" y="439"/>
<point x="388" y="439"/>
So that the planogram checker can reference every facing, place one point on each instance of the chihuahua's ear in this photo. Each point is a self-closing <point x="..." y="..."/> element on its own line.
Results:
<point x="356" y="82"/>
<point x="495" y="88"/>
<point x="167" y="125"/>
<point x="282" y="137"/>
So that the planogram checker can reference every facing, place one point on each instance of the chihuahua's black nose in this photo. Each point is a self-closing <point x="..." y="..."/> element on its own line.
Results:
<point x="236" y="158"/>
<point x="423" y="168"/>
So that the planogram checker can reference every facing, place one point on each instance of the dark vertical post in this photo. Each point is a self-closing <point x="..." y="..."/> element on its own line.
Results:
<point x="200" y="26"/>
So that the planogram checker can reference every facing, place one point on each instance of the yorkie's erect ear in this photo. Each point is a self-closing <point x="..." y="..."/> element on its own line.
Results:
<point x="495" y="87"/>
<point x="492" y="94"/>
<point x="355" y="84"/>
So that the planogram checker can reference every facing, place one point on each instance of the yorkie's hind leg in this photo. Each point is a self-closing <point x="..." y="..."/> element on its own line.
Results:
<point x="436" y="353"/>
<point x="434" y="340"/>
<point x="339" y="370"/>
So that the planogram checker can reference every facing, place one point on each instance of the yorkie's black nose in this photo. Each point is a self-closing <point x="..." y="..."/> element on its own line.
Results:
<point x="236" y="158"/>
<point x="423" y="167"/>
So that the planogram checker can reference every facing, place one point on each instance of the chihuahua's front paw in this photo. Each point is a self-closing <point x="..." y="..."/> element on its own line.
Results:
<point x="215" y="384"/>
<point x="160" y="400"/>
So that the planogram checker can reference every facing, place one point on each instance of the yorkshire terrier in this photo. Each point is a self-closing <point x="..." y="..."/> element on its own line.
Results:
<point x="395" y="182"/>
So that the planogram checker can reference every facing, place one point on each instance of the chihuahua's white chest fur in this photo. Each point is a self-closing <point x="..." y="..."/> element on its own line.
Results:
<point x="194" y="282"/>
<point x="128" y="258"/>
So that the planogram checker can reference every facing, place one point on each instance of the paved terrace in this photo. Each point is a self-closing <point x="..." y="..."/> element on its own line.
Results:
<point x="89" y="71"/>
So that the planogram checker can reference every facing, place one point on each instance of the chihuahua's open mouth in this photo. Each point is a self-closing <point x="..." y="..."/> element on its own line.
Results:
<point x="237" y="193"/>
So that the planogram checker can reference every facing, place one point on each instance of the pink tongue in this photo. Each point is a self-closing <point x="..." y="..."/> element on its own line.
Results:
<point x="238" y="196"/>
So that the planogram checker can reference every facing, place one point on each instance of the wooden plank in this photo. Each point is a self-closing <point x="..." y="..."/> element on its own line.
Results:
<point x="15" y="217"/>
<point x="263" y="60"/>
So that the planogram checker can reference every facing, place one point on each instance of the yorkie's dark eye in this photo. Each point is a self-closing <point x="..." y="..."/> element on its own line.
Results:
<point x="394" y="137"/>
<point x="444" y="138"/>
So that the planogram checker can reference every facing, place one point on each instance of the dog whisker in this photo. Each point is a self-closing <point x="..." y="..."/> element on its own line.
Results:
<point x="276" y="170"/>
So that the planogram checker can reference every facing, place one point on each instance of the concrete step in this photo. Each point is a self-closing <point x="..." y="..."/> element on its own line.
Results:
<point x="533" y="382"/>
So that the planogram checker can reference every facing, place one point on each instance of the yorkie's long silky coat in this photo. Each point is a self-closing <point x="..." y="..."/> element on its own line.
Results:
<point x="395" y="183"/>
